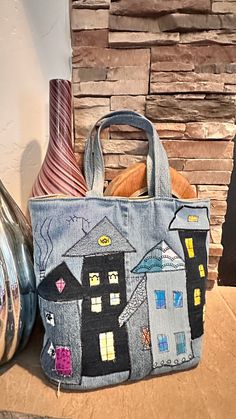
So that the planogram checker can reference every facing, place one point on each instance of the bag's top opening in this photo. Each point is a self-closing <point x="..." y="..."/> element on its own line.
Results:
<point x="131" y="198"/>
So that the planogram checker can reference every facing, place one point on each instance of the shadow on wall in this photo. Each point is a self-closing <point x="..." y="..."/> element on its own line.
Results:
<point x="227" y="265"/>
<point x="50" y="27"/>
<point x="50" y="31"/>
<point x="32" y="115"/>
<point x="31" y="160"/>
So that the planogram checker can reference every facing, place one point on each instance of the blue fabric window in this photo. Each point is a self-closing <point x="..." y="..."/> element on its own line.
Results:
<point x="160" y="297"/>
<point x="162" y="343"/>
<point x="180" y="341"/>
<point x="178" y="299"/>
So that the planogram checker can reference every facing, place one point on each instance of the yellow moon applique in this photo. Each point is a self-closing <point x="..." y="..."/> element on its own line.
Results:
<point x="104" y="241"/>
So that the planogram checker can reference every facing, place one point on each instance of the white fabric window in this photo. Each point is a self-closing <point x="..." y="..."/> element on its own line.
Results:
<point x="115" y="298"/>
<point x="96" y="304"/>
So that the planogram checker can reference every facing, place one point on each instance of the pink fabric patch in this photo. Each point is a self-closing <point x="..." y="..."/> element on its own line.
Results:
<point x="63" y="360"/>
<point x="60" y="284"/>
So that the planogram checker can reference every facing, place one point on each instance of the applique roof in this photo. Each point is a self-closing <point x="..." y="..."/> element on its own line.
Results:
<point x="189" y="217"/>
<point x="60" y="285"/>
<point x="136" y="300"/>
<point x="103" y="238"/>
<point x="159" y="259"/>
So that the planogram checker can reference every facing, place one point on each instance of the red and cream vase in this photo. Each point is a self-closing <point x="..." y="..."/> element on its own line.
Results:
<point x="59" y="173"/>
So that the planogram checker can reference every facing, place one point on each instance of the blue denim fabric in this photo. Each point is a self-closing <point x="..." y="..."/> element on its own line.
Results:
<point x="158" y="177"/>
<point x="123" y="253"/>
<point x="59" y="223"/>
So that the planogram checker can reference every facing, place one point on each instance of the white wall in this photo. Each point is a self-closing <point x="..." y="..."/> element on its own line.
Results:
<point x="35" y="47"/>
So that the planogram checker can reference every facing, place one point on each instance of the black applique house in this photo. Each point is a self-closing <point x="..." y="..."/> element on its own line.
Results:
<point x="104" y="343"/>
<point x="192" y="224"/>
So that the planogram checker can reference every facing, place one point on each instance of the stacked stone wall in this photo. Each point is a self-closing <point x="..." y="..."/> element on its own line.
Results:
<point x="175" y="62"/>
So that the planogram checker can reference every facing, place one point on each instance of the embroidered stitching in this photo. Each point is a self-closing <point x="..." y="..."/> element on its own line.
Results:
<point x="160" y="258"/>
<point x="45" y="248"/>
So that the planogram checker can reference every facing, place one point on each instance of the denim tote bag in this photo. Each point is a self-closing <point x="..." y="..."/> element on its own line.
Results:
<point x="121" y="282"/>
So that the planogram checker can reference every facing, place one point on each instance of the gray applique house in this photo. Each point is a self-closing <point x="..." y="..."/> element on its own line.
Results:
<point x="60" y="295"/>
<point x="164" y="287"/>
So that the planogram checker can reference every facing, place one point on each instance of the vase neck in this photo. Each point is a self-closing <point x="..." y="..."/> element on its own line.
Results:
<point x="60" y="104"/>
<point x="59" y="173"/>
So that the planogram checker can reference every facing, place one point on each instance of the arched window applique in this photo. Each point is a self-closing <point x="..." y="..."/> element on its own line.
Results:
<point x="197" y="296"/>
<point x="107" y="350"/>
<point x="160" y="298"/>
<point x="201" y="271"/>
<point x="178" y="299"/>
<point x="94" y="279"/>
<point x="96" y="304"/>
<point x="162" y="343"/>
<point x="189" y="247"/>
<point x="113" y="277"/>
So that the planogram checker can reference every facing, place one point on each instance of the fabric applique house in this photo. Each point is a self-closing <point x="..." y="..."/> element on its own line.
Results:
<point x="94" y="302"/>
<point x="164" y="287"/>
<point x="104" y="343"/>
<point x="59" y="293"/>
<point x="192" y="225"/>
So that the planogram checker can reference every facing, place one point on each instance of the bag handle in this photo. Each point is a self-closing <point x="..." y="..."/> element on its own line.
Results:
<point x="158" y="178"/>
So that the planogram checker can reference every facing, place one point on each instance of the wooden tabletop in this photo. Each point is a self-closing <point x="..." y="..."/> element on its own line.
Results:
<point x="208" y="391"/>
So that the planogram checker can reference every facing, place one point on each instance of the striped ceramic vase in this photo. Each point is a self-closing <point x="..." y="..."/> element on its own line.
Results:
<point x="59" y="173"/>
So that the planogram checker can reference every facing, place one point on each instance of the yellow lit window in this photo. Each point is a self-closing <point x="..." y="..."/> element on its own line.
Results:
<point x="189" y="247"/>
<point x="113" y="277"/>
<point x="115" y="298"/>
<point x="96" y="304"/>
<point x="193" y="218"/>
<point x="107" y="349"/>
<point x="201" y="271"/>
<point x="204" y="313"/>
<point x="94" y="279"/>
<point x="197" y="296"/>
